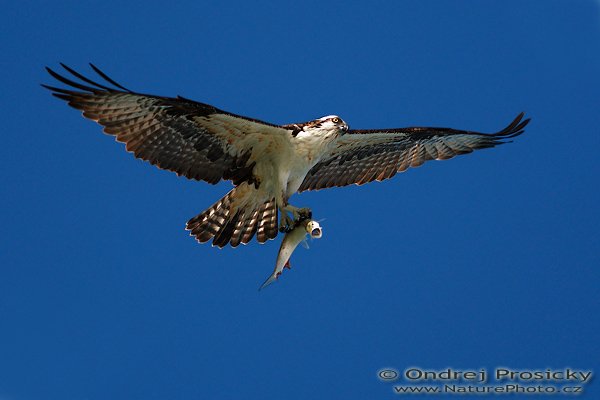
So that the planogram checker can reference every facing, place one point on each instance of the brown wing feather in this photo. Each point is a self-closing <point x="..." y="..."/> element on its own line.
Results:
<point x="192" y="139"/>
<point x="362" y="156"/>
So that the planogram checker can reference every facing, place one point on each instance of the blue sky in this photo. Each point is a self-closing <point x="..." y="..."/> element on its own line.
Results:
<point x="486" y="260"/>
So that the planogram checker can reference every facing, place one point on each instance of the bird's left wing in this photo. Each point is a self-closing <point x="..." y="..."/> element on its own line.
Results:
<point x="192" y="139"/>
<point x="363" y="156"/>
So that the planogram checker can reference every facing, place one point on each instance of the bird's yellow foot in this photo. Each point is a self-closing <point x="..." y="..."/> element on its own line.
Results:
<point x="287" y="222"/>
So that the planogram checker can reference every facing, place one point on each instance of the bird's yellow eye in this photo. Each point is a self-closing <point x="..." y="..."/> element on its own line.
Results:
<point x="336" y="120"/>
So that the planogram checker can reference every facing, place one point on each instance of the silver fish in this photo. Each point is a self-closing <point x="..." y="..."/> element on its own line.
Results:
<point x="289" y="244"/>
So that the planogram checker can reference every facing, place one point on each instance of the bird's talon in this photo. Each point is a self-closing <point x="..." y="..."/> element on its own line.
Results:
<point x="286" y="224"/>
<point x="304" y="214"/>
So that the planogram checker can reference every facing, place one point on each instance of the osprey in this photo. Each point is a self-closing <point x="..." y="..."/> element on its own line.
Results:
<point x="266" y="163"/>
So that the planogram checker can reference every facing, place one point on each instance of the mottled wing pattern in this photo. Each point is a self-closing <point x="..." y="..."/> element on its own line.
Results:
<point x="363" y="156"/>
<point x="192" y="139"/>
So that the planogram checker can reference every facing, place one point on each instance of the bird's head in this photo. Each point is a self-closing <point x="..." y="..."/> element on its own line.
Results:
<point x="330" y="127"/>
<point x="332" y="122"/>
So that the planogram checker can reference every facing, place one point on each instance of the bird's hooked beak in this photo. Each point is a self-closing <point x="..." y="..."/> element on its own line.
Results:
<point x="344" y="129"/>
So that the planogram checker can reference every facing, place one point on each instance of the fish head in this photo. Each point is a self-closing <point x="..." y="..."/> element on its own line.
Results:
<point x="314" y="229"/>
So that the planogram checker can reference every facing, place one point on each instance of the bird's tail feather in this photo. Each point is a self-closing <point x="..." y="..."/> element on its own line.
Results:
<point x="225" y="223"/>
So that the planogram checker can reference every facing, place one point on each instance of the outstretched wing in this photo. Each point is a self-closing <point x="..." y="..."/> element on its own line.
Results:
<point x="363" y="156"/>
<point x="193" y="139"/>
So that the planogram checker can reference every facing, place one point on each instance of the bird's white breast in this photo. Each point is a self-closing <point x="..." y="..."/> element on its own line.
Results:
<point x="282" y="161"/>
<point x="309" y="148"/>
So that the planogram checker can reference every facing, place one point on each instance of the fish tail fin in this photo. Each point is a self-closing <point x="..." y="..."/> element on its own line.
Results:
<point x="270" y="279"/>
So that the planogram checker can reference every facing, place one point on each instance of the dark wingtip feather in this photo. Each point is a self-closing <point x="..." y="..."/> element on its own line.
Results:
<point x="51" y="88"/>
<point x="69" y="82"/>
<point x="83" y="78"/>
<point x="94" y="88"/>
<point x="108" y="79"/>
<point x="63" y="96"/>
<point x="58" y="90"/>
<point x="514" y="129"/>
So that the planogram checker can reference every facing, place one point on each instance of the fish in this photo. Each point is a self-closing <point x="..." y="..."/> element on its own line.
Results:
<point x="291" y="240"/>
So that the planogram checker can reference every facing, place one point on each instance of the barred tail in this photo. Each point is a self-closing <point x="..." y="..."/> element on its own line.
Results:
<point x="234" y="226"/>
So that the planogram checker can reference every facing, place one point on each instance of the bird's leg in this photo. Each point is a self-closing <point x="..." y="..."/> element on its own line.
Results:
<point x="300" y="214"/>
<point x="287" y="223"/>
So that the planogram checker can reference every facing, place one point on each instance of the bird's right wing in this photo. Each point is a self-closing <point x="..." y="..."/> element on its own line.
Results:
<point x="192" y="139"/>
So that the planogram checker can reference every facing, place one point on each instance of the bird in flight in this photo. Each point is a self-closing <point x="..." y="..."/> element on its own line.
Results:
<point x="267" y="163"/>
